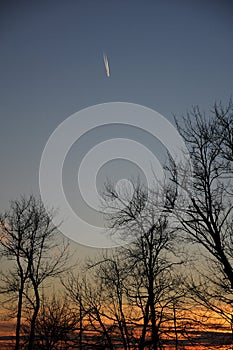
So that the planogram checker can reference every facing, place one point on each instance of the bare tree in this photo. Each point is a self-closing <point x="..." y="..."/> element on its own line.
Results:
<point x="118" y="312"/>
<point x="204" y="208"/>
<point x="28" y="240"/>
<point x="150" y="283"/>
<point x="55" y="324"/>
<point x="89" y="302"/>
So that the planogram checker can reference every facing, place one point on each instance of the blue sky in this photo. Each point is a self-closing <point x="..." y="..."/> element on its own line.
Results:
<point x="167" y="55"/>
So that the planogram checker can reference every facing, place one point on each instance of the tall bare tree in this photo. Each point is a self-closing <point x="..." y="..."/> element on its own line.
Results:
<point x="204" y="208"/>
<point x="28" y="239"/>
<point x="151" y="284"/>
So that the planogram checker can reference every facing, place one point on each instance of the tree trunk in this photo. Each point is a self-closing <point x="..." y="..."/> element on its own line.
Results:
<point x="34" y="317"/>
<point x="141" y="344"/>
<point x="18" y="319"/>
<point x="175" y="327"/>
<point x="81" y="324"/>
<point x="154" y="328"/>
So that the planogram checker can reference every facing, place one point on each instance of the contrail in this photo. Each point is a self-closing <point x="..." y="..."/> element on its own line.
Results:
<point x="106" y="65"/>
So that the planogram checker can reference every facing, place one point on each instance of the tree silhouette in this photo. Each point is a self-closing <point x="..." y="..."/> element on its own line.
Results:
<point x="28" y="239"/>
<point x="55" y="324"/>
<point x="141" y="272"/>
<point x="204" y="204"/>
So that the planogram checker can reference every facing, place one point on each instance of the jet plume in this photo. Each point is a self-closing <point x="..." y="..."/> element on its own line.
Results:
<point x="106" y="65"/>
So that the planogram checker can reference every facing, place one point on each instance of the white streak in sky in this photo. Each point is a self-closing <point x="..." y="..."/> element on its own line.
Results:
<point x="106" y="65"/>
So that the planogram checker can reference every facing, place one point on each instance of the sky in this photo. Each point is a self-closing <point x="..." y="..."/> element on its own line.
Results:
<point x="165" y="55"/>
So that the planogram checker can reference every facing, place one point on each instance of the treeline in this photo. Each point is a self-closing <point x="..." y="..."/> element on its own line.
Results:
<point x="174" y="276"/>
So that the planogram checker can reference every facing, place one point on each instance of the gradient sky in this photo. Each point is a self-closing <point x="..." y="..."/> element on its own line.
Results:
<point x="167" y="55"/>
